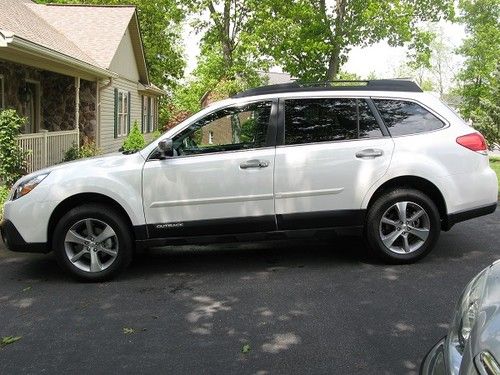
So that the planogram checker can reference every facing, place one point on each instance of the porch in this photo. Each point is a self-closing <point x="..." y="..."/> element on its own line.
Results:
<point x="61" y="110"/>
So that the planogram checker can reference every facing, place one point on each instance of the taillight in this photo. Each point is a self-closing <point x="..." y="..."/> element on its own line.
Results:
<point x="474" y="142"/>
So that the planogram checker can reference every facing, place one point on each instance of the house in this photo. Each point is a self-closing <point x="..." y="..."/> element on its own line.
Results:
<point x="77" y="73"/>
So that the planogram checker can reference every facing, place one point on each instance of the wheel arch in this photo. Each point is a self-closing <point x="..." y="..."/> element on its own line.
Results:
<point x="77" y="200"/>
<point x="418" y="183"/>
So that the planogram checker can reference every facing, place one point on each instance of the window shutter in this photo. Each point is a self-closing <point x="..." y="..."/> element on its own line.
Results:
<point x="149" y="114"/>
<point x="142" y="113"/>
<point x="128" y="114"/>
<point x="116" y="114"/>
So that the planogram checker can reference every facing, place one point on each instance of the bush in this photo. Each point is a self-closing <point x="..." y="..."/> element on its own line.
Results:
<point x="135" y="140"/>
<point x="12" y="156"/>
<point x="87" y="150"/>
<point x="156" y="134"/>
<point x="4" y="193"/>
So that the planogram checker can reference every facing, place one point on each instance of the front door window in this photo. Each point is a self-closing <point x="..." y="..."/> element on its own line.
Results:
<point x="229" y="129"/>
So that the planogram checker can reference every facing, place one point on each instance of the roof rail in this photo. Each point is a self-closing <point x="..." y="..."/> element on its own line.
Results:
<point x="343" y="85"/>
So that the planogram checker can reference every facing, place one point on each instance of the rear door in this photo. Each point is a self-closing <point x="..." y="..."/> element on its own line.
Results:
<point x="332" y="150"/>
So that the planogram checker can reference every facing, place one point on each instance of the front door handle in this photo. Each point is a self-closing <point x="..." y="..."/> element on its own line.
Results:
<point x="254" y="163"/>
<point x="369" y="153"/>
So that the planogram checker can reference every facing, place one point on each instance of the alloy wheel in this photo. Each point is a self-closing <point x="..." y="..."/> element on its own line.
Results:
<point x="404" y="227"/>
<point x="91" y="245"/>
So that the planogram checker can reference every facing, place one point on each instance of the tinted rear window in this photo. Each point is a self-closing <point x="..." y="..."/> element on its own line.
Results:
<point x="402" y="117"/>
<point x="330" y="119"/>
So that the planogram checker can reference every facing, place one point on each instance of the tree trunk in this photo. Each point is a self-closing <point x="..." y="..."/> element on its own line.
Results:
<point x="333" y="65"/>
<point x="336" y="36"/>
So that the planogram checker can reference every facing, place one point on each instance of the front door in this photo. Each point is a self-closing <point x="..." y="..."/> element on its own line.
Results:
<point x="220" y="180"/>
<point x="333" y="151"/>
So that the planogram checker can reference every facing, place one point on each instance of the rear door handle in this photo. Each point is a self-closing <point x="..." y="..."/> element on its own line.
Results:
<point x="369" y="153"/>
<point x="254" y="163"/>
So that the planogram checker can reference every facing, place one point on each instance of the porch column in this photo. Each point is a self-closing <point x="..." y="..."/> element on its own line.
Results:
<point x="77" y="110"/>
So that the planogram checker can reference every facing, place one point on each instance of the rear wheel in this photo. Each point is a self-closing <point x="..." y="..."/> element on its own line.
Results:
<point x="93" y="242"/>
<point x="402" y="226"/>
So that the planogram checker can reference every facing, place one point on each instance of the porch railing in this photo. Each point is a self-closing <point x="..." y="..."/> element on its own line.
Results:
<point x="46" y="148"/>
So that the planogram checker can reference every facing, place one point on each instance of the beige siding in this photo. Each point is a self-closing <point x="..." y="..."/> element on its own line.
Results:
<point x="124" y="62"/>
<point x="107" y="141"/>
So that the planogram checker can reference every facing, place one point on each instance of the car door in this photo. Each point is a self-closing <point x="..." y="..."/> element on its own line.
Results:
<point x="220" y="180"/>
<point x="332" y="150"/>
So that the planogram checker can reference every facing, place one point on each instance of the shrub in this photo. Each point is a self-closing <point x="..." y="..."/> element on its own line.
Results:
<point x="135" y="140"/>
<point x="156" y="134"/>
<point x="87" y="150"/>
<point x="4" y="193"/>
<point x="12" y="156"/>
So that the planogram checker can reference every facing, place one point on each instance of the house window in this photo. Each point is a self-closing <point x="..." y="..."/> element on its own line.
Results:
<point x="2" y="95"/>
<point x="210" y="137"/>
<point x="123" y="105"/>
<point x="144" y="113"/>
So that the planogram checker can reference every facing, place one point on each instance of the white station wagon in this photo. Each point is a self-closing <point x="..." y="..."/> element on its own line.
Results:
<point x="381" y="156"/>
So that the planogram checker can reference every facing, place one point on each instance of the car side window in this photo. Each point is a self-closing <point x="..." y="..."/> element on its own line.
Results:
<point x="229" y="129"/>
<point x="403" y="117"/>
<point x="328" y="119"/>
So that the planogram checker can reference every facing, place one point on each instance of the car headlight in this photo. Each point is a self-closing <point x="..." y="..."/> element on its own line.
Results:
<point x="27" y="186"/>
<point x="465" y="317"/>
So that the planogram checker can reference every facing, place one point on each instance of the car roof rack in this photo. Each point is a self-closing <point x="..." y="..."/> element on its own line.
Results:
<point x="343" y="85"/>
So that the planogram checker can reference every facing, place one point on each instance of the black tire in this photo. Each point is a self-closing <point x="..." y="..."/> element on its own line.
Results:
<point x="374" y="229"/>
<point x="107" y="215"/>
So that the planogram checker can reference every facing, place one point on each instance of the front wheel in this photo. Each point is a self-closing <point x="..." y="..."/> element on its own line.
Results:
<point x="402" y="226"/>
<point x="93" y="242"/>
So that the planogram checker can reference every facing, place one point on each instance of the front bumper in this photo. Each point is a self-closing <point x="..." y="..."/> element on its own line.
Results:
<point x="433" y="363"/>
<point x="15" y="242"/>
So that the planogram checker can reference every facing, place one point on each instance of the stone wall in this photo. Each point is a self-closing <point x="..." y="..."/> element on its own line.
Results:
<point x="88" y="111"/>
<point x="57" y="98"/>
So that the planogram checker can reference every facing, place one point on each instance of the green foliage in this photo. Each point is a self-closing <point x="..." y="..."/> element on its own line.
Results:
<point x="156" y="134"/>
<point x="160" y="23"/>
<point x="230" y="58"/>
<point x="486" y="116"/>
<point x="311" y="39"/>
<point x="87" y="150"/>
<point x="12" y="156"/>
<point x="135" y="140"/>
<point x="481" y="49"/>
<point x="4" y="193"/>
<point x="7" y="340"/>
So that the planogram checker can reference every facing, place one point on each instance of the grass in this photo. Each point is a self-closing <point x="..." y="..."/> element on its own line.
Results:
<point x="4" y="192"/>
<point x="495" y="165"/>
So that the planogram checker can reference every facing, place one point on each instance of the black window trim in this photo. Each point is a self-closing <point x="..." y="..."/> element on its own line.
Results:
<point x="270" y="136"/>
<point x="280" y="141"/>
<point x="446" y="123"/>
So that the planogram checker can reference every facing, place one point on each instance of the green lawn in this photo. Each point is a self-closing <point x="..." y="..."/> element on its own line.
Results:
<point x="495" y="164"/>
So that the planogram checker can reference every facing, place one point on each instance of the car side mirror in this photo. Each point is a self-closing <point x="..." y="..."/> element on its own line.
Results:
<point x="166" y="147"/>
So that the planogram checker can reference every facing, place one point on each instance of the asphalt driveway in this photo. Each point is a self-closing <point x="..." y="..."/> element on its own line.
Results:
<point x="294" y="307"/>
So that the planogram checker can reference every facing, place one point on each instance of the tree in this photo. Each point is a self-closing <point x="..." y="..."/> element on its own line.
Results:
<point x="229" y="49"/>
<point x="481" y="50"/>
<point x="311" y="39"/>
<point x="160" y="23"/>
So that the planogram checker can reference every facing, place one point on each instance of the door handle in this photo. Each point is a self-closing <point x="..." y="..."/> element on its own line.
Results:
<point x="369" y="153"/>
<point x="254" y="163"/>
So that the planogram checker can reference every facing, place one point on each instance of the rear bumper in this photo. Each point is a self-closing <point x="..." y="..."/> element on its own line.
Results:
<point x="15" y="242"/>
<point x="460" y="216"/>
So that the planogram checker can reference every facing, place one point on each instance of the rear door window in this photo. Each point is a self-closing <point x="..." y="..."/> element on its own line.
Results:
<point x="328" y="119"/>
<point x="403" y="117"/>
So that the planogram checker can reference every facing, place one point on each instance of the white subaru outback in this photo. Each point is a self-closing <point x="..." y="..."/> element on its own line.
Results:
<point x="380" y="155"/>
